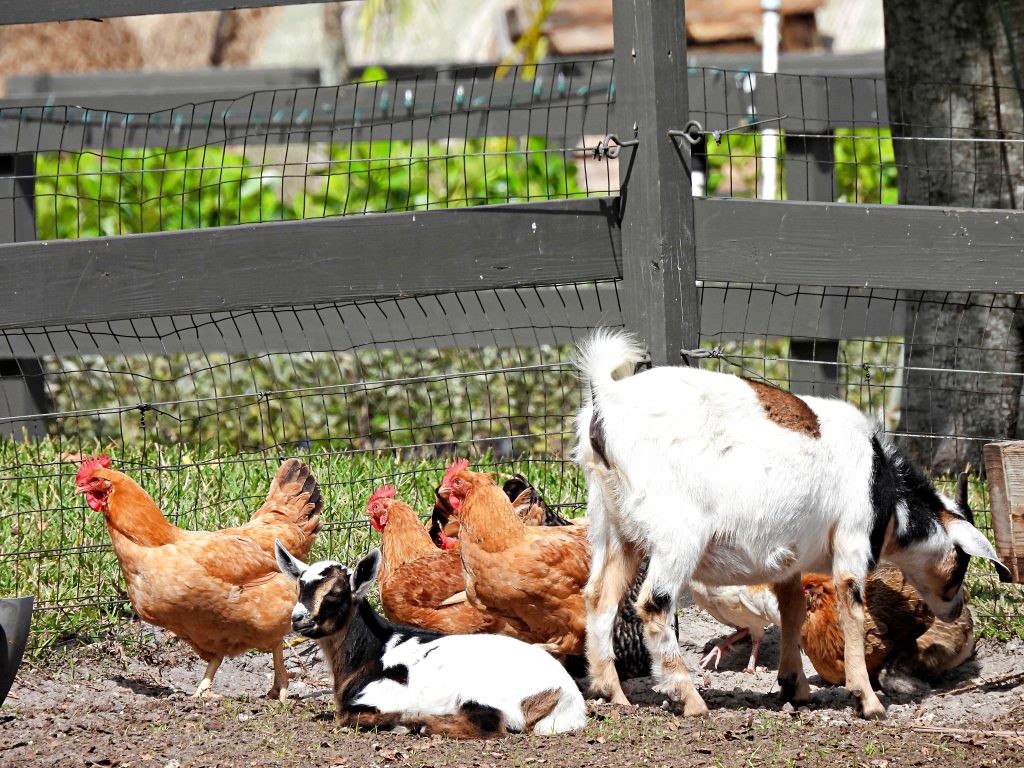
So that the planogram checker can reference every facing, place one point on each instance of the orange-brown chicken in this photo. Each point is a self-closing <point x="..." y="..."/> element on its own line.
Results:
<point x="900" y="630"/>
<point x="416" y="578"/>
<point x="532" y="577"/>
<point x="219" y="591"/>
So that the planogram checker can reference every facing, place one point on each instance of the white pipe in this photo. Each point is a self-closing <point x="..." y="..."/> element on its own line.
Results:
<point x="770" y="64"/>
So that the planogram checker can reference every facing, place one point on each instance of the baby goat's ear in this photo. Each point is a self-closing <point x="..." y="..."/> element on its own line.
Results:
<point x="364" y="573"/>
<point x="960" y="496"/>
<point x="973" y="542"/>
<point x="290" y="566"/>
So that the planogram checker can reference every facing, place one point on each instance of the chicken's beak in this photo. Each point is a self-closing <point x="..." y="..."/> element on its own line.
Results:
<point x="81" y="489"/>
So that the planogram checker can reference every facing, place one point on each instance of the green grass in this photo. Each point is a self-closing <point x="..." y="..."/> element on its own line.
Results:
<point x="53" y="546"/>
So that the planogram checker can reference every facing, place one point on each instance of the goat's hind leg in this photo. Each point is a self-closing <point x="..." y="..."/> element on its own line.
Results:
<point x="792" y="610"/>
<point x="655" y="606"/>
<point x="611" y="575"/>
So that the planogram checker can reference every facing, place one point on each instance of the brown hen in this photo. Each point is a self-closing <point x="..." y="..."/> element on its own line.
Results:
<point x="219" y="591"/>
<point x="531" y="577"/>
<point x="900" y="629"/>
<point x="418" y="580"/>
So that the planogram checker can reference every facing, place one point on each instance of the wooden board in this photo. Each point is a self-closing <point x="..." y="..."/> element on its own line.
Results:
<point x="1004" y="463"/>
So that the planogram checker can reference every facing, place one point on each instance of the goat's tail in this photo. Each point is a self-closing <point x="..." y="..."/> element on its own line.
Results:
<point x="608" y="355"/>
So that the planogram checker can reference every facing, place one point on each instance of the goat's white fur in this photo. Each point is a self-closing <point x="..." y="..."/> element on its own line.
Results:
<point x="493" y="670"/>
<point x="445" y="672"/>
<point x="708" y="486"/>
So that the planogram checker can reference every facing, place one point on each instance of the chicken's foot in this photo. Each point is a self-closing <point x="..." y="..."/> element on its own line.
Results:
<point x="721" y="650"/>
<point x="203" y="691"/>
<point x="279" y="690"/>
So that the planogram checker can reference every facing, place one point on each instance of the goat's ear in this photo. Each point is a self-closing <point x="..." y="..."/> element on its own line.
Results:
<point x="290" y="565"/>
<point x="960" y="496"/>
<point x="364" y="573"/>
<point x="973" y="542"/>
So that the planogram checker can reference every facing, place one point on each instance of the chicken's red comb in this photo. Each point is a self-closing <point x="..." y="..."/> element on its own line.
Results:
<point x="457" y="466"/>
<point x="102" y="461"/>
<point x="384" y="492"/>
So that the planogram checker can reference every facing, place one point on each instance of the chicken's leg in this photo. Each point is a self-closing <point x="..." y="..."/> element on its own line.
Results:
<point x="719" y="651"/>
<point x="279" y="690"/>
<point x="203" y="691"/>
<point x="754" y="651"/>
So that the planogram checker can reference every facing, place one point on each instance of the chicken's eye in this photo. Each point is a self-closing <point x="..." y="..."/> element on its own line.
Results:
<point x="456" y="484"/>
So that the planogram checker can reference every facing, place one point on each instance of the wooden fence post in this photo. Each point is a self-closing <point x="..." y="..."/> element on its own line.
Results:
<point x="1004" y="467"/>
<point x="22" y="390"/>
<point x="810" y="175"/>
<point x="660" y="300"/>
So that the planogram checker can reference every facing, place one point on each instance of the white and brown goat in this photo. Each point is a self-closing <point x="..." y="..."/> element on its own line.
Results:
<point x="729" y="481"/>
<point x="393" y="677"/>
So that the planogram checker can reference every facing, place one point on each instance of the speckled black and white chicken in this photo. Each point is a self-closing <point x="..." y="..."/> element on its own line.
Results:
<point x="631" y="656"/>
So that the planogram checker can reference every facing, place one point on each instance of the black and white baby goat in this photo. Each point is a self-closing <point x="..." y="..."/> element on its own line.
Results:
<point x="729" y="481"/>
<point x="394" y="677"/>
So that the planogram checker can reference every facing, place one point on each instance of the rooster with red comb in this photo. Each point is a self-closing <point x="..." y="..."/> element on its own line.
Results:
<point x="420" y="585"/>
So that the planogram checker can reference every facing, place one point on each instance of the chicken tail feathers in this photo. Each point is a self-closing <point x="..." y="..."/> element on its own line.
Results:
<point x="294" y="503"/>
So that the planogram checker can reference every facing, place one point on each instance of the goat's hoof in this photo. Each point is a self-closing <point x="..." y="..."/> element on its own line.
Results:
<point x="694" y="706"/>
<point x="873" y="711"/>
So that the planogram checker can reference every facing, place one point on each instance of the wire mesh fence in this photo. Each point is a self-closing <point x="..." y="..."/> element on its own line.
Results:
<point x="200" y="407"/>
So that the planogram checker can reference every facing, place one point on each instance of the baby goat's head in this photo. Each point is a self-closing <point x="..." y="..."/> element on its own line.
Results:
<point x="328" y="591"/>
<point x="936" y="561"/>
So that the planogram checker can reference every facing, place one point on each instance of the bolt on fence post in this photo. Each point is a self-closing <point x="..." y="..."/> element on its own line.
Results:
<point x="660" y="298"/>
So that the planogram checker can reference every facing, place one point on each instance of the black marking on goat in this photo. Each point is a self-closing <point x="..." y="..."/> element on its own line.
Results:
<point x="428" y="652"/>
<point x="856" y="595"/>
<point x="657" y="603"/>
<point x="368" y="634"/>
<point x="399" y="673"/>
<point x="896" y="479"/>
<point x="597" y="436"/>
<point x="884" y="496"/>
<point x="487" y="719"/>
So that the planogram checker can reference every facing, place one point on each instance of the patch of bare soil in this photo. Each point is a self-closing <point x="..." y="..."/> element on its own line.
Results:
<point x="115" y="704"/>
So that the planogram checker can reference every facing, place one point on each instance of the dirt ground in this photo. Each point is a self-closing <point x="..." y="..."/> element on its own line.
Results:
<point x="127" y="704"/>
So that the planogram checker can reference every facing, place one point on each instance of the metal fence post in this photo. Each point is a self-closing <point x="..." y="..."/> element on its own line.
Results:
<point x="660" y="300"/>
<point x="810" y="175"/>
<point x="22" y="389"/>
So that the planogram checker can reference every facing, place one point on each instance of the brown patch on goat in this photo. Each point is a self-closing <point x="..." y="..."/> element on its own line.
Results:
<point x="538" y="706"/>
<point x="460" y="726"/>
<point x="786" y="409"/>
<point x="369" y="720"/>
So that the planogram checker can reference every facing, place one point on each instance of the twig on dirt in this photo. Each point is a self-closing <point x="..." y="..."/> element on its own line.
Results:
<point x="967" y="732"/>
<point x="992" y="681"/>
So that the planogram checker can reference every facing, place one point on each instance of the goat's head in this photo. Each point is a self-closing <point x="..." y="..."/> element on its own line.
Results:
<point x="935" y="561"/>
<point x="328" y="591"/>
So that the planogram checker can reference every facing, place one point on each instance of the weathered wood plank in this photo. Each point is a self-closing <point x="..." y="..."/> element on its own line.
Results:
<point x="566" y="99"/>
<point x="504" y="317"/>
<point x="32" y="11"/>
<point x="884" y="246"/>
<point x="556" y="104"/>
<point x="1004" y="465"/>
<point x="294" y="263"/>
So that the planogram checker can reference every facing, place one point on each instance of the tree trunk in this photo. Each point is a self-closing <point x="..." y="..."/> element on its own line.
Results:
<point x="953" y="70"/>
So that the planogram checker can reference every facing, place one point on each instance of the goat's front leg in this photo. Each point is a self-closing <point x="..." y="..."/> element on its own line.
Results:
<point x="655" y="606"/>
<point x="792" y="611"/>
<point x="850" y="594"/>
